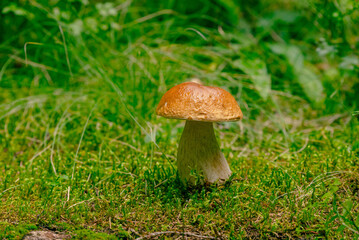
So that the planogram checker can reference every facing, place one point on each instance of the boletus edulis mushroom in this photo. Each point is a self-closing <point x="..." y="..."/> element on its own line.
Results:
<point x="198" y="149"/>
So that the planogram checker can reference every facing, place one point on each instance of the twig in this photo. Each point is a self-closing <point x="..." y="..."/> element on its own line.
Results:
<point x="10" y="188"/>
<point x="134" y="231"/>
<point x="82" y="202"/>
<point x="174" y="232"/>
<point x="38" y="154"/>
<point x="161" y="183"/>
<point x="126" y="144"/>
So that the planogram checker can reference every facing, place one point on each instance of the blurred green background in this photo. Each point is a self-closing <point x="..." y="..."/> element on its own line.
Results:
<point x="306" y="48"/>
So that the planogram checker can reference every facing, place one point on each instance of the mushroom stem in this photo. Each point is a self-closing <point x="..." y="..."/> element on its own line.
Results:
<point x="198" y="150"/>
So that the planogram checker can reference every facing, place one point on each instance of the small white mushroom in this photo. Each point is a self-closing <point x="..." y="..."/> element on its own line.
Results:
<point x="198" y="148"/>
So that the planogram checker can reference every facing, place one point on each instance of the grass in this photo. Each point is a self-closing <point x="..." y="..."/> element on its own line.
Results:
<point x="81" y="150"/>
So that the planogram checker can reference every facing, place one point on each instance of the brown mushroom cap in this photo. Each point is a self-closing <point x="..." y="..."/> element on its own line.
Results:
<point x="193" y="101"/>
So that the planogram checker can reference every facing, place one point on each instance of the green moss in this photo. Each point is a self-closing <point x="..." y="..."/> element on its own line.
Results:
<point x="18" y="231"/>
<point x="89" y="235"/>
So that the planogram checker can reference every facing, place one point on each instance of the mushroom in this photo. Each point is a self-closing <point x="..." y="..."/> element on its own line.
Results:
<point x="198" y="149"/>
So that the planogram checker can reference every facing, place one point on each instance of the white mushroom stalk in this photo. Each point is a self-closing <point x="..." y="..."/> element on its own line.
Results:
<point x="198" y="150"/>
